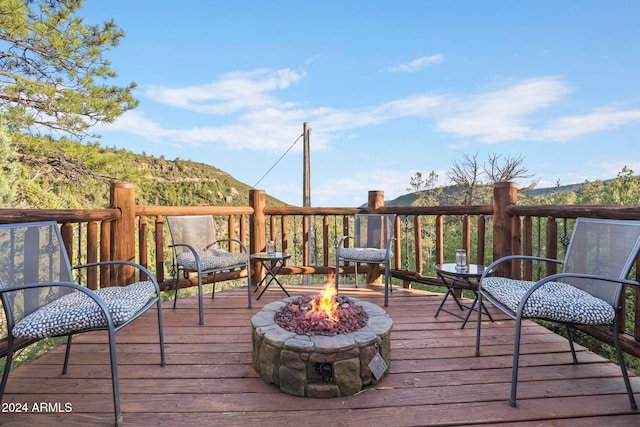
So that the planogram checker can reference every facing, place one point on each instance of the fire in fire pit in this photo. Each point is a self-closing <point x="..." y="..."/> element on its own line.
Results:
<point x="323" y="345"/>
<point x="325" y="314"/>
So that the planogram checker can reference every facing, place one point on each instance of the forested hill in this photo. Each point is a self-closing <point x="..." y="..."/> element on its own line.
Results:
<point x="63" y="174"/>
<point x="444" y="195"/>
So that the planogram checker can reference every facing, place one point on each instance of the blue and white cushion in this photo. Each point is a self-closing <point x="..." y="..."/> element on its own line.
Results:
<point x="555" y="301"/>
<point x="77" y="311"/>
<point x="211" y="259"/>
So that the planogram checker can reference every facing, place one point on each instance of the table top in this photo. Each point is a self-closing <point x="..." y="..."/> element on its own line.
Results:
<point x="270" y="256"/>
<point x="473" y="270"/>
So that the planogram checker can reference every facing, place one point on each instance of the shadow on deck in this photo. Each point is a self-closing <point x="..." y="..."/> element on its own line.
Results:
<point x="434" y="377"/>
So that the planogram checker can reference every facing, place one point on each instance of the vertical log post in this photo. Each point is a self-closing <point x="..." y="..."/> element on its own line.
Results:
<point x="504" y="194"/>
<point x="257" y="231"/>
<point x="439" y="239"/>
<point x="527" y="247"/>
<point x="123" y="229"/>
<point x="417" y="238"/>
<point x="143" y="248"/>
<point x="92" y="254"/>
<point x="325" y="240"/>
<point x="159" y="227"/>
<point x="105" y="252"/>
<point x="398" y="246"/>
<point x="481" y="240"/>
<point x="376" y="200"/>
<point x="466" y="237"/>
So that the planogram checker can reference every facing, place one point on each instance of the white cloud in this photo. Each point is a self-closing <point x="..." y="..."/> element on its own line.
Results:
<point x="571" y="127"/>
<point x="356" y="187"/>
<point x="135" y="122"/>
<point x="612" y="169"/>
<point x="234" y="92"/>
<point x="500" y="115"/>
<point x="417" y="64"/>
<point x="257" y="119"/>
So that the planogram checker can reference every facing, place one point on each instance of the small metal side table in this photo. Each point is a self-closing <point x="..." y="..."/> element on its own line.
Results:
<point x="456" y="279"/>
<point x="272" y="262"/>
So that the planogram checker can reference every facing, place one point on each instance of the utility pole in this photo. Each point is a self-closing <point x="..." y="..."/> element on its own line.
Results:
<point x="306" y="192"/>
<point x="306" y="173"/>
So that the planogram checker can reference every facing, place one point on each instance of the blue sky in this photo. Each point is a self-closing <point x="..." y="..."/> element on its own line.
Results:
<point x="389" y="88"/>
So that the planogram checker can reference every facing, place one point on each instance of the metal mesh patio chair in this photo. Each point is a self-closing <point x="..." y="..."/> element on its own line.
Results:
<point x="588" y="291"/>
<point x="372" y="239"/>
<point x="196" y="250"/>
<point x="41" y="300"/>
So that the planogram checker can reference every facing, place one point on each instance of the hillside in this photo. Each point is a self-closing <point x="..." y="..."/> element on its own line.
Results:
<point x="447" y="192"/>
<point x="65" y="174"/>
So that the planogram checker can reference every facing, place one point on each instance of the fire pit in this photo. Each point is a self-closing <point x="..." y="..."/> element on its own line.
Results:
<point x="322" y="346"/>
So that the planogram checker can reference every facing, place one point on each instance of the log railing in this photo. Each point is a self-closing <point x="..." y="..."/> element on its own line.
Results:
<point x="425" y="236"/>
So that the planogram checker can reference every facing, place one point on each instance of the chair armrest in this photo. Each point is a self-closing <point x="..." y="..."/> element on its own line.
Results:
<point x="342" y="240"/>
<point x="491" y="267"/>
<point x="185" y="245"/>
<point x="242" y="245"/>
<point x="389" y="242"/>
<point x="144" y="270"/>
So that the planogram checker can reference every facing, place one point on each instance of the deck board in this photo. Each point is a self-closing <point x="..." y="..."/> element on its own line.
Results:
<point x="434" y="378"/>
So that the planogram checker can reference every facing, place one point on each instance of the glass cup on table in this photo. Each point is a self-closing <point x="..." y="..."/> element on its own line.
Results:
<point x="461" y="260"/>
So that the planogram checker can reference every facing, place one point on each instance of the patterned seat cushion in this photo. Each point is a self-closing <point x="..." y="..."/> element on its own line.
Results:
<point x="556" y="301"/>
<point x="211" y="259"/>
<point x="364" y="254"/>
<point x="77" y="311"/>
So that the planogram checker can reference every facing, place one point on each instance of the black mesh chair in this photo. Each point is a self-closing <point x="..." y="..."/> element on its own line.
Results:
<point x="196" y="250"/>
<point x="40" y="298"/>
<point x="588" y="291"/>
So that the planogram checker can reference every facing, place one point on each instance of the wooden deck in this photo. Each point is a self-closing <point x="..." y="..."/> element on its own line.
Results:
<point x="434" y="377"/>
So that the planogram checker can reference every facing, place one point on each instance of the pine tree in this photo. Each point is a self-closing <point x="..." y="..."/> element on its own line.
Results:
<point x="9" y="170"/>
<point x="53" y="73"/>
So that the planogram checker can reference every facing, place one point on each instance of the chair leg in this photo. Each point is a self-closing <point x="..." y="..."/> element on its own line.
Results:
<point x="213" y="291"/>
<point x="625" y="375"/>
<point x="356" y="277"/>
<point x="200" y="302"/>
<point x="175" y="293"/>
<point x="386" y="287"/>
<point x="67" y="352"/>
<point x="573" y="349"/>
<point x="478" y="325"/>
<point x="163" y="360"/>
<point x="337" y="275"/>
<point x="7" y="368"/>
<point x="249" y="285"/>
<point x="516" y="361"/>
<point x="114" y="378"/>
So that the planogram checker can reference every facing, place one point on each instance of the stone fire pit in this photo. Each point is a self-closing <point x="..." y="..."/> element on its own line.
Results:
<point x="319" y="365"/>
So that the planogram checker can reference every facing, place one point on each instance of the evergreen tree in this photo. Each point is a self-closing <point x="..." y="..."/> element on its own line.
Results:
<point x="9" y="170"/>
<point x="625" y="189"/>
<point x="53" y="71"/>
<point x="426" y="195"/>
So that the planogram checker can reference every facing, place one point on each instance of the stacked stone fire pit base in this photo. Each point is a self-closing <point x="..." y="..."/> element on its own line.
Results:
<point x="317" y="365"/>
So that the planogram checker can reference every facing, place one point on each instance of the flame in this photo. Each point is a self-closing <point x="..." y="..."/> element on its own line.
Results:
<point x="326" y="304"/>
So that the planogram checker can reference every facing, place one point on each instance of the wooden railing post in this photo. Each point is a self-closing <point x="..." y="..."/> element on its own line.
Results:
<point x="123" y="232"/>
<point x="376" y="200"/>
<point x="257" y="230"/>
<point x="504" y="194"/>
